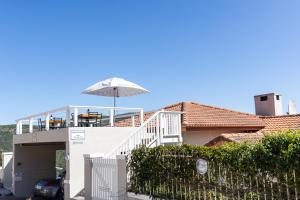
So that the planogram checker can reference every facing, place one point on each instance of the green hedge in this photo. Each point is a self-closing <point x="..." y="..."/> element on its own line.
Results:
<point x="277" y="155"/>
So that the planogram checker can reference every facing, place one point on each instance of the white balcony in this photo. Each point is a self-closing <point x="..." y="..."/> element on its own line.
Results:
<point x="79" y="116"/>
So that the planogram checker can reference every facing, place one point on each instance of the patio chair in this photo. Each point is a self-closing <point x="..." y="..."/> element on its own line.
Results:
<point x="41" y="124"/>
<point x="81" y="120"/>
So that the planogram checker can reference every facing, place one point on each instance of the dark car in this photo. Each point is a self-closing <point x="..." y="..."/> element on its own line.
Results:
<point x="50" y="189"/>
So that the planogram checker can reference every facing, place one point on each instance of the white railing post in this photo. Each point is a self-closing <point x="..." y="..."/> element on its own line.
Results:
<point x="75" y="117"/>
<point x="133" y="121"/>
<point x="158" y="129"/>
<point x="179" y="129"/>
<point x="19" y="128"/>
<point x="142" y="117"/>
<point x="47" y="122"/>
<point x="111" y="117"/>
<point x="68" y="120"/>
<point x="162" y="126"/>
<point x="30" y="126"/>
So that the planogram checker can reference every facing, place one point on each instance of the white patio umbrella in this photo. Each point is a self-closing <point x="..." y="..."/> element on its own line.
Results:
<point x="115" y="87"/>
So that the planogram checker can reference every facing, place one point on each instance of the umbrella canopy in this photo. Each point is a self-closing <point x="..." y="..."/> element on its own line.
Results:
<point x="115" y="87"/>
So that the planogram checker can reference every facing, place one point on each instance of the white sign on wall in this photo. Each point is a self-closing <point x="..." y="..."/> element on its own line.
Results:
<point x="77" y="135"/>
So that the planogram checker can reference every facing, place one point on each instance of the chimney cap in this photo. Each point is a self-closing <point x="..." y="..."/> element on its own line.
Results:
<point x="268" y="94"/>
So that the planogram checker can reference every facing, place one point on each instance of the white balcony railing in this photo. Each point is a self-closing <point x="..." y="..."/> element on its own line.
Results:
<point x="70" y="117"/>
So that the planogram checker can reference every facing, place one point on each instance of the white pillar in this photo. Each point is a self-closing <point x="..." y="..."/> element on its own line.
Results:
<point x="20" y="127"/>
<point x="180" y="129"/>
<point x="47" y="126"/>
<point x="162" y="125"/>
<point x="133" y="121"/>
<point x="30" y="126"/>
<point x="121" y="178"/>
<point x="111" y="120"/>
<point x="158" y="129"/>
<point x="75" y="117"/>
<point x="88" y="169"/>
<point x="68" y="113"/>
<point x="142" y="117"/>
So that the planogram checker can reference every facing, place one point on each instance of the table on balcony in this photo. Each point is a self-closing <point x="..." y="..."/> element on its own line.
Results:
<point x="56" y="123"/>
<point x="87" y="120"/>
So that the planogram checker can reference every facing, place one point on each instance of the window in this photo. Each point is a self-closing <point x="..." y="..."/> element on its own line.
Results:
<point x="264" y="98"/>
<point x="277" y="97"/>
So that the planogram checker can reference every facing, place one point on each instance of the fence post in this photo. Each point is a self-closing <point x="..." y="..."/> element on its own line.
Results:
<point x="88" y="167"/>
<point x="121" y="177"/>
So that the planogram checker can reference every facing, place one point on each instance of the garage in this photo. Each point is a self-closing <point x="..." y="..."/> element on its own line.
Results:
<point x="35" y="161"/>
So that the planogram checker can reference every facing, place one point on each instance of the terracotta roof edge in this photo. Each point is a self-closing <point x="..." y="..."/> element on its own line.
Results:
<point x="225" y="109"/>
<point x="278" y="116"/>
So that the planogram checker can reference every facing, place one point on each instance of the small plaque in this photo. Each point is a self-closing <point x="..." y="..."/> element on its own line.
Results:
<point x="77" y="135"/>
<point x="201" y="166"/>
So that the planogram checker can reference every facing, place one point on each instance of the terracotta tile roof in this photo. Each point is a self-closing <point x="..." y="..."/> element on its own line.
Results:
<point x="128" y="122"/>
<point x="244" y="137"/>
<point x="199" y="115"/>
<point x="236" y="137"/>
<point x="281" y="123"/>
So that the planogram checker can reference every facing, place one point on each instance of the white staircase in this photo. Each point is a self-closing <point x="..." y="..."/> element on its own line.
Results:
<point x="163" y="128"/>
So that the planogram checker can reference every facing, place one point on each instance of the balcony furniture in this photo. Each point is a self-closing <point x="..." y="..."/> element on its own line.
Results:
<point x="41" y="124"/>
<point x="92" y="119"/>
<point x="56" y="123"/>
<point x="46" y="122"/>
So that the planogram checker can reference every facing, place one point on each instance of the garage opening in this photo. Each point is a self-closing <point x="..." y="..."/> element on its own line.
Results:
<point x="36" y="161"/>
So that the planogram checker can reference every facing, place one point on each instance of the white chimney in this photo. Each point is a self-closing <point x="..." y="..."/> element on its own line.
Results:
<point x="292" y="108"/>
<point x="268" y="104"/>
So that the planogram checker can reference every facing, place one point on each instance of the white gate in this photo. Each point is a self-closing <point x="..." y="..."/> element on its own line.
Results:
<point x="105" y="179"/>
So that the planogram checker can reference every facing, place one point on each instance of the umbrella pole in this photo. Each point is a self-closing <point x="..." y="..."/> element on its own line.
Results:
<point x="114" y="101"/>
<point x="115" y="89"/>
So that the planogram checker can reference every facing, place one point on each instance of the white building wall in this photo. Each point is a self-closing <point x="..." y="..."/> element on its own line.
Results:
<point x="34" y="155"/>
<point x="90" y="140"/>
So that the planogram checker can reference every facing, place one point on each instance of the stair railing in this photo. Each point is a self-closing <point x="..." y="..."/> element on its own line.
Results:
<point x="151" y="133"/>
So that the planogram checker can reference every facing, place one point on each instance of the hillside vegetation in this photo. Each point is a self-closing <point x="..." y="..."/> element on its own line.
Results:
<point x="6" y="135"/>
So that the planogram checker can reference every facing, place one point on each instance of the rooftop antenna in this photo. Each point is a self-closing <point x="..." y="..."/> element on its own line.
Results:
<point x="292" y="108"/>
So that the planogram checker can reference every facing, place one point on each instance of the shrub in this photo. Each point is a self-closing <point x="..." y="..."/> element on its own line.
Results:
<point x="276" y="155"/>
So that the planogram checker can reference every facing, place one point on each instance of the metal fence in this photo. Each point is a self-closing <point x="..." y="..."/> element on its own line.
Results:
<point x="105" y="178"/>
<point x="218" y="182"/>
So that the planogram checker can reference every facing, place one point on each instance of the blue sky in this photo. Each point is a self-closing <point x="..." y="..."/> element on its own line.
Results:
<point x="213" y="52"/>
